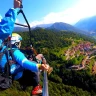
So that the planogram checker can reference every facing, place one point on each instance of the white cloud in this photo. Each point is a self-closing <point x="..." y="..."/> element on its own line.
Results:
<point x="84" y="8"/>
<point x="34" y="23"/>
<point x="17" y="20"/>
<point x="0" y="18"/>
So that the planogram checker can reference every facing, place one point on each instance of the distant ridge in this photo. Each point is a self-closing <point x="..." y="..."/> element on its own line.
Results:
<point x="87" y="24"/>
<point x="64" y="26"/>
<point x="55" y="26"/>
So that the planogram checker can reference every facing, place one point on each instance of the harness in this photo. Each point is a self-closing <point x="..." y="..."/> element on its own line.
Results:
<point x="6" y="79"/>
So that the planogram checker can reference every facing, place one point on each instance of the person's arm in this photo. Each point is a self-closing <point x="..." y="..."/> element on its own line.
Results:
<point x="7" y="23"/>
<point x="27" y="64"/>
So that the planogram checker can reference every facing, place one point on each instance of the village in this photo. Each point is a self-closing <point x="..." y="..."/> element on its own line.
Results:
<point x="85" y="48"/>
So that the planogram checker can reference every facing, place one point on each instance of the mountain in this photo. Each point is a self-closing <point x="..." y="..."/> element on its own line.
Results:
<point x="87" y="24"/>
<point x="64" y="26"/>
<point x="56" y="26"/>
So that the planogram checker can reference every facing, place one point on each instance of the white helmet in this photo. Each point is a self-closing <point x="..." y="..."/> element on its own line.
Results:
<point x="16" y="38"/>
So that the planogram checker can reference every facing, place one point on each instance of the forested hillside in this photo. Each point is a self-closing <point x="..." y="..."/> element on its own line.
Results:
<point x="51" y="39"/>
<point x="63" y="81"/>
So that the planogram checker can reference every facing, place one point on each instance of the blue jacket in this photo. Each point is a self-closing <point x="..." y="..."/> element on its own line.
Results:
<point x="7" y="23"/>
<point x="6" y="28"/>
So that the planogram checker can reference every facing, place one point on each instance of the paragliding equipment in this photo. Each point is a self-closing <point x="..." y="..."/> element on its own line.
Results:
<point x="22" y="12"/>
<point x="45" y="85"/>
<point x="45" y="82"/>
<point x="21" y="24"/>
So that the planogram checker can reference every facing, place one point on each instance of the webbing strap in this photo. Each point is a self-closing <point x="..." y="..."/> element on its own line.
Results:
<point x="7" y="65"/>
<point x="7" y="71"/>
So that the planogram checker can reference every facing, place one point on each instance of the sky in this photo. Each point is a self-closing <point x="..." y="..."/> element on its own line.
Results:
<point x="50" y="11"/>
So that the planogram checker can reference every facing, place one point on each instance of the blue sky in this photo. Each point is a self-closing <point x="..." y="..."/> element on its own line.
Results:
<point x="50" y="11"/>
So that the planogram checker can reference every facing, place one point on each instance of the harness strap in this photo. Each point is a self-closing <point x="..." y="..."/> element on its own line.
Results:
<point x="7" y="67"/>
